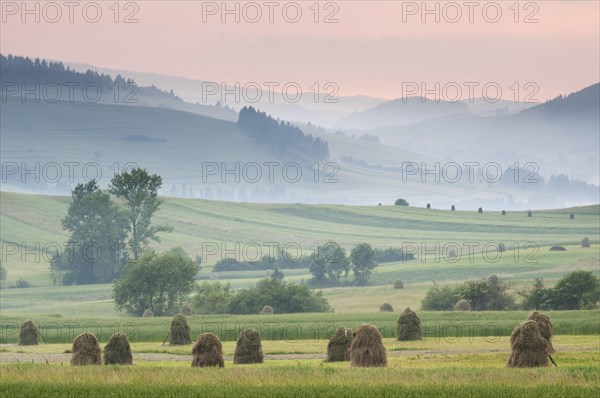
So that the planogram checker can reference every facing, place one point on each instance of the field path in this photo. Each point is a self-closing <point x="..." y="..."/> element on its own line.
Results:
<point x="155" y="357"/>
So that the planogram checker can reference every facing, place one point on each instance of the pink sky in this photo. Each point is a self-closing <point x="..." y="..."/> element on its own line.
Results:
<point x="370" y="50"/>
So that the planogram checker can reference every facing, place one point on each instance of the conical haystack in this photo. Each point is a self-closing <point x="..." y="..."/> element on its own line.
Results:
<point x="462" y="305"/>
<point x="208" y="351"/>
<point x="186" y="309"/>
<point x="118" y="351"/>
<point x="528" y="347"/>
<point x="28" y="333"/>
<point x="545" y="328"/>
<point x="386" y="307"/>
<point x="338" y="348"/>
<point x="248" y="348"/>
<point x="409" y="326"/>
<point x="147" y="314"/>
<point x="180" y="331"/>
<point x="267" y="310"/>
<point x="367" y="349"/>
<point x="86" y="350"/>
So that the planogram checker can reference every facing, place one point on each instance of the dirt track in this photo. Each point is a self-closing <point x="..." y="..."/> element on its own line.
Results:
<point x="147" y="357"/>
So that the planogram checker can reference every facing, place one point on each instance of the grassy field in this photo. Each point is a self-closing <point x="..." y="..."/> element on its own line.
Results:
<point x="462" y="375"/>
<point x="296" y="327"/>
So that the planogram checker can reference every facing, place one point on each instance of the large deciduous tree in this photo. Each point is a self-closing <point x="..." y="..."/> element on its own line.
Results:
<point x="363" y="261"/>
<point x="138" y="192"/>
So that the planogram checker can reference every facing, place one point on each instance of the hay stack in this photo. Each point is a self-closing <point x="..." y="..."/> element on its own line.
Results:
<point x="503" y="212"/>
<point x="452" y="208"/>
<point x="147" y="314"/>
<point x="528" y="347"/>
<point x="572" y="216"/>
<point x="428" y="205"/>
<point x="180" y="331"/>
<point x="186" y="310"/>
<point x="118" y="351"/>
<point x="208" y="351"/>
<point x="398" y="284"/>
<point x="86" y="350"/>
<point x="248" y="348"/>
<point x="585" y="242"/>
<point x="386" y="307"/>
<point x="452" y="253"/>
<point x="557" y="249"/>
<point x="529" y="214"/>
<point x="267" y="310"/>
<point x="462" y="305"/>
<point x="409" y="326"/>
<point x="28" y="334"/>
<point x="480" y="210"/>
<point x="493" y="280"/>
<point x="367" y="348"/>
<point x="545" y="328"/>
<point x="338" y="348"/>
<point x="501" y="247"/>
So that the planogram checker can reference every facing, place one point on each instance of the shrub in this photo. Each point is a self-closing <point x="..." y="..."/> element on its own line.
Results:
<point x="398" y="284"/>
<point x="212" y="298"/>
<point x="208" y="351"/>
<point x="401" y="202"/>
<point x="22" y="284"/>
<point x="86" y="350"/>
<point x="367" y="349"/>
<point x="180" y="331"/>
<point x="409" y="326"/>
<point x="28" y="333"/>
<point x="118" y="351"/>
<point x="439" y="299"/>
<point x="248" y="348"/>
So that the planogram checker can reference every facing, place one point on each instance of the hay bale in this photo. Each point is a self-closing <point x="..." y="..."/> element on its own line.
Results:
<point x="462" y="305"/>
<point x="213" y="277"/>
<point x="585" y="242"/>
<point x="545" y="326"/>
<point x="367" y="349"/>
<point x="503" y="212"/>
<point x="557" y="249"/>
<point x="186" y="310"/>
<point x="493" y="280"/>
<point x="452" y="208"/>
<point x="452" y="253"/>
<point x="398" y="284"/>
<point x="501" y="247"/>
<point x="338" y="348"/>
<point x="118" y="351"/>
<point x="480" y="210"/>
<point x="428" y="205"/>
<point x="180" y="331"/>
<point x="528" y="347"/>
<point x="248" y="348"/>
<point x="208" y="351"/>
<point x="28" y="333"/>
<point x="572" y="216"/>
<point x="148" y="314"/>
<point x="267" y="310"/>
<point x="409" y="326"/>
<point x="386" y="307"/>
<point x="86" y="350"/>
<point x="529" y="214"/>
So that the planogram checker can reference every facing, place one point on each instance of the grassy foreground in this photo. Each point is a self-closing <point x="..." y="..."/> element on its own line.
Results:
<point x="445" y="376"/>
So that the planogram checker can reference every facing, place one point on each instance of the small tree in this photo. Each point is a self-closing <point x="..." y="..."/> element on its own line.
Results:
<point x="362" y="257"/>
<point x="576" y="290"/>
<point x="329" y="263"/>
<point x="277" y="275"/>
<point x="401" y="202"/>
<point x="158" y="282"/>
<point x="439" y="299"/>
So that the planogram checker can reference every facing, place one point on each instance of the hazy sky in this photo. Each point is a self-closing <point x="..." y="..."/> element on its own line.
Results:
<point x="369" y="47"/>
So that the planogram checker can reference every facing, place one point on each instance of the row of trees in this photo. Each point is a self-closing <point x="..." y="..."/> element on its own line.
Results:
<point x="287" y="140"/>
<point x="576" y="290"/>
<point x="330" y="263"/>
<point x="108" y="227"/>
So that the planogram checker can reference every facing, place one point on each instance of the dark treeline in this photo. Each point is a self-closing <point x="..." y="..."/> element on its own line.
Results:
<point x="23" y="70"/>
<point x="286" y="139"/>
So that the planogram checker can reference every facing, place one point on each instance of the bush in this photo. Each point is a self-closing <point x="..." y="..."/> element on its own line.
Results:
<point x="391" y="254"/>
<point x="576" y="290"/>
<point x="283" y="297"/>
<point x="212" y="298"/>
<point x="401" y="202"/>
<point x="486" y="295"/>
<point x="22" y="284"/>
<point x="439" y="299"/>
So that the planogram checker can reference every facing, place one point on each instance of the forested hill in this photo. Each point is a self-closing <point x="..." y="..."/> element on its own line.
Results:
<point x="287" y="140"/>
<point x="51" y="81"/>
